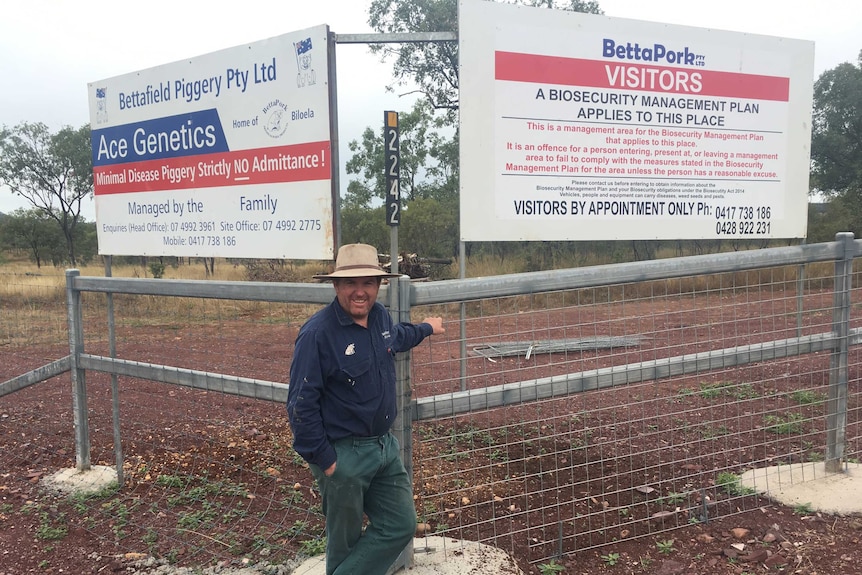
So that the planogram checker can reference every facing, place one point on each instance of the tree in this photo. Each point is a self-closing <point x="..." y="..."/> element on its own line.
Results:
<point x="53" y="172"/>
<point x="365" y="225"/>
<point x="827" y="219"/>
<point x="432" y="66"/>
<point x="430" y="228"/>
<point x="32" y="232"/>
<point x="429" y="186"/>
<point x="836" y="138"/>
<point x="423" y="150"/>
<point x="38" y="235"/>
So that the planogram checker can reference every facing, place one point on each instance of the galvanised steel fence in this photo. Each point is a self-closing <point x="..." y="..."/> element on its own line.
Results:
<point x="562" y="410"/>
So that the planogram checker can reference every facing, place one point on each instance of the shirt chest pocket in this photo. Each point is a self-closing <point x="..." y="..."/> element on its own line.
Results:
<point x="356" y="379"/>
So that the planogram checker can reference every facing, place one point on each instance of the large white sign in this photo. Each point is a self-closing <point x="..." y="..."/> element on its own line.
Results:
<point x="222" y="155"/>
<point x="583" y="127"/>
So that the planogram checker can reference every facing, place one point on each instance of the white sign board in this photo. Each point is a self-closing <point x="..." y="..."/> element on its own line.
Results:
<point x="222" y="155"/>
<point x="583" y="127"/>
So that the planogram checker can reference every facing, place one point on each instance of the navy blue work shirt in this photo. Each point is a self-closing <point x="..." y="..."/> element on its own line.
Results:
<point x="342" y="378"/>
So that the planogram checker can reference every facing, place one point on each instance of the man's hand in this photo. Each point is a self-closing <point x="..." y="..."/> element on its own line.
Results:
<point x="436" y="324"/>
<point x="330" y="470"/>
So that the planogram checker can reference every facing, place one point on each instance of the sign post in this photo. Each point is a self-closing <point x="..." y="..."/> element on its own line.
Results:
<point x="392" y="167"/>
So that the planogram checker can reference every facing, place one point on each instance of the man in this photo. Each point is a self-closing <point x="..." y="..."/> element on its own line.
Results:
<point x="341" y="404"/>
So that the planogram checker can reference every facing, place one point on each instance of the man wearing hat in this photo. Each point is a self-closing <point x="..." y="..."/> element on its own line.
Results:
<point x="341" y="404"/>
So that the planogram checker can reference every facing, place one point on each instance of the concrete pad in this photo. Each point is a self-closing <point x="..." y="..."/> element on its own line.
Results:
<point x="439" y="556"/>
<point x="74" y="482"/>
<point x="811" y="484"/>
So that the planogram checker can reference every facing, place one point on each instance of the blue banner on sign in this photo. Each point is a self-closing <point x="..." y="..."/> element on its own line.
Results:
<point x="178" y="136"/>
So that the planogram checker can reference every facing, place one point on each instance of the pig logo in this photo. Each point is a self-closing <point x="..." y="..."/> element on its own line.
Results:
<point x="305" y="73"/>
<point x="275" y="118"/>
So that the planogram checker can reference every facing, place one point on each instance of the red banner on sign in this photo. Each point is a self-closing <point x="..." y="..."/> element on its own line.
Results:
<point x="516" y="67"/>
<point x="296" y="163"/>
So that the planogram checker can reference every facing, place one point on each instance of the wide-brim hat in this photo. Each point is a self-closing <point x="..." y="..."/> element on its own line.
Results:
<point x="356" y="261"/>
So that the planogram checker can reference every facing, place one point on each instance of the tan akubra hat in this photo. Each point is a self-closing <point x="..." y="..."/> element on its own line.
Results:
<point x="356" y="261"/>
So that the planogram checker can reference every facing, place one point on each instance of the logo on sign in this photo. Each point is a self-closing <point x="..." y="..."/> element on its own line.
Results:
<point x="101" y="105"/>
<point x="305" y="73"/>
<point x="275" y="118"/>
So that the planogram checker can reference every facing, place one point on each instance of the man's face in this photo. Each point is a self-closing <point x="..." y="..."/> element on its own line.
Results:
<point x="357" y="295"/>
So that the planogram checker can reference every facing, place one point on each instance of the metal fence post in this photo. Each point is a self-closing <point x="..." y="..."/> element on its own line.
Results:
<point x="836" y="405"/>
<point x="800" y="294"/>
<point x="79" y="384"/>
<point x="115" y="380"/>
<point x="404" y="423"/>
<point x="462" y="319"/>
<point x="402" y="429"/>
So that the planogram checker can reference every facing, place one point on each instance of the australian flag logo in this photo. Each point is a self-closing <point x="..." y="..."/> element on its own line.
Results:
<point x="303" y="46"/>
<point x="101" y="105"/>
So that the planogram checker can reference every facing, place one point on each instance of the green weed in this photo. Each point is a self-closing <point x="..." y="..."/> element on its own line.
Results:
<point x="674" y="498"/>
<point x="712" y="390"/>
<point x="203" y="517"/>
<point x="150" y="538"/>
<point x="732" y="484"/>
<point x="171" y="481"/>
<point x="48" y="530"/>
<point x="806" y="396"/>
<point x="312" y="547"/>
<point x="551" y="568"/>
<point x="611" y="559"/>
<point x="789" y="424"/>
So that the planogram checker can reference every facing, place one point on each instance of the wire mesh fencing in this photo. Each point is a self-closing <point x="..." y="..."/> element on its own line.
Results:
<point x="660" y="406"/>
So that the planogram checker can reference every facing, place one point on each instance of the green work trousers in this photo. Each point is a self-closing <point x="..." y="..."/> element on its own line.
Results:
<point x="369" y="479"/>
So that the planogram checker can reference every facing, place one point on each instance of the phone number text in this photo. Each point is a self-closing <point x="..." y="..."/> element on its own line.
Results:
<point x="742" y="220"/>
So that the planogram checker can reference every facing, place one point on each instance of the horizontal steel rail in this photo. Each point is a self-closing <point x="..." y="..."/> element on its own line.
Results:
<point x="459" y="403"/>
<point x="249" y="291"/>
<point x="461" y="290"/>
<point x="395" y="37"/>
<point x="195" y="379"/>
<point x="37" y="375"/>
<point x="471" y="289"/>
<point x="463" y="402"/>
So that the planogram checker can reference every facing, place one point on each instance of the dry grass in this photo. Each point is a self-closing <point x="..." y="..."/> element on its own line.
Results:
<point x="33" y="301"/>
<point x="22" y="279"/>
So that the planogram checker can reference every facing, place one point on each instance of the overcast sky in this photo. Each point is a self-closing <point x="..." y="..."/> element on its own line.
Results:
<point x="51" y="49"/>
